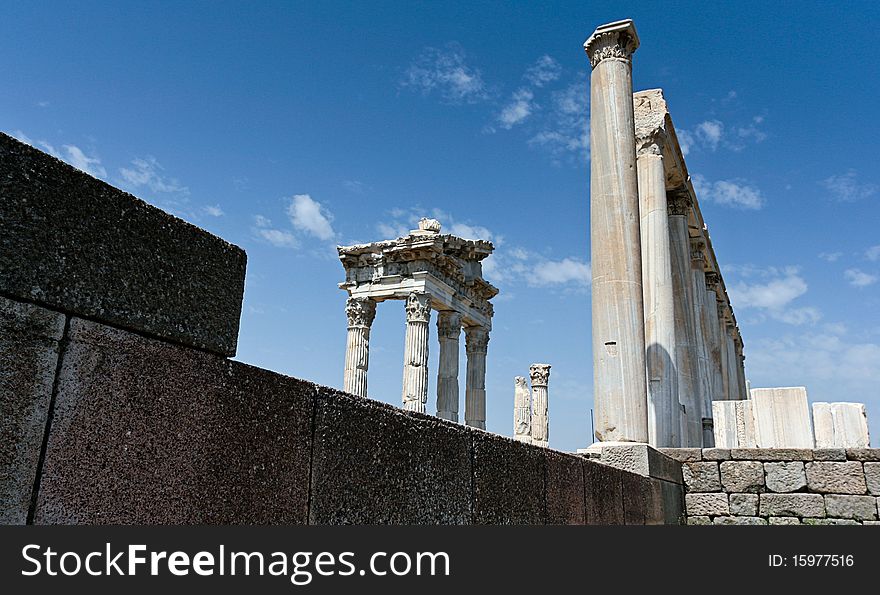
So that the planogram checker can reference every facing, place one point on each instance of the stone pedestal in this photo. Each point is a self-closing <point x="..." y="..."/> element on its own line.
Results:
<point x="360" y="313"/>
<point x="415" y="353"/>
<point x="449" y="331"/>
<point x="522" y="410"/>
<point x="618" y="327"/>
<point x="476" y="344"/>
<point x="540" y="377"/>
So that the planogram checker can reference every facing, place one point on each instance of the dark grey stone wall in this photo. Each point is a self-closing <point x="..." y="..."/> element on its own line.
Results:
<point x="77" y="245"/>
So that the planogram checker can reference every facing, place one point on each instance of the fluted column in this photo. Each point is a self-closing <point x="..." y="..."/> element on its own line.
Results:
<point x="679" y="203"/>
<point x="733" y="389"/>
<point x="698" y="290"/>
<point x="618" y="318"/>
<point x="476" y="344"/>
<point x="415" y="352"/>
<point x="360" y="312"/>
<point x="726" y="393"/>
<point x="664" y="425"/>
<point x="540" y="377"/>
<point x="449" y="331"/>
<point x="713" y="334"/>
<point x="522" y="410"/>
<point x="740" y="367"/>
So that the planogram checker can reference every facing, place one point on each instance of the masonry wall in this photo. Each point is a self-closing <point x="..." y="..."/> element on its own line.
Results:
<point x="776" y="486"/>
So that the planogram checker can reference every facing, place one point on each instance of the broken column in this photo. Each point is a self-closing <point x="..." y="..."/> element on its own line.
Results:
<point x="841" y="425"/>
<point x="540" y="377"/>
<point x="449" y="331"/>
<point x="415" y="353"/>
<point x="360" y="313"/>
<point x="476" y="344"/>
<point x="522" y="410"/>
<point x="782" y="417"/>
<point x="618" y="324"/>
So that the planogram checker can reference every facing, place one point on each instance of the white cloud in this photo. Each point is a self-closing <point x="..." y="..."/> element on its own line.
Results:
<point x="873" y="253"/>
<point x="43" y="104"/>
<point x="710" y="133"/>
<point x="446" y="72"/>
<point x="772" y="293"/>
<point x="557" y="272"/>
<point x="566" y="131"/>
<point x="147" y="173"/>
<point x="544" y="70"/>
<point x="858" y="278"/>
<point x="19" y="135"/>
<point x="733" y="193"/>
<point x="277" y="237"/>
<point x="78" y="159"/>
<point x="355" y="186"/>
<point x="830" y="256"/>
<point x="519" y="108"/>
<point x="213" y="210"/>
<point x="311" y="217"/>
<point x="847" y="188"/>
<point x="685" y="140"/>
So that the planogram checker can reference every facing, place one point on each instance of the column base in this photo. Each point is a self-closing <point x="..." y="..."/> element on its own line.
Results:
<point x="448" y="415"/>
<point x="637" y="457"/>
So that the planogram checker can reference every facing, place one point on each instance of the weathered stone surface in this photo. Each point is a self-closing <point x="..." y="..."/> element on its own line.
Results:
<point x="772" y="454"/>
<point x="829" y="522"/>
<point x="111" y="257"/>
<point x="642" y="459"/>
<point x="29" y="343"/>
<point x="739" y="520"/>
<point x="637" y="497"/>
<point x="832" y="477"/>
<point x="706" y="504"/>
<point x="699" y="520"/>
<point x="872" y="478"/>
<point x="683" y="455"/>
<point x="782" y="417"/>
<point x="701" y="477"/>
<point x="744" y="504"/>
<point x="785" y="476"/>
<point x="742" y="476"/>
<point x="800" y="505"/>
<point x="604" y="494"/>
<point x="716" y="454"/>
<point x="374" y="464"/>
<point x="734" y="425"/>
<point x="872" y="523"/>
<point x="862" y="508"/>
<point x="841" y="425"/>
<point x="863" y="454"/>
<point x="565" y="489"/>
<point x="508" y="484"/>
<point x="145" y="432"/>
<point x="784" y="520"/>
<point x="829" y="454"/>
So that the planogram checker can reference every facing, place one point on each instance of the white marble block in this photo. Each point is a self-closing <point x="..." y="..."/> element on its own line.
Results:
<point x="782" y="417"/>
<point x="734" y="424"/>
<point x="841" y="425"/>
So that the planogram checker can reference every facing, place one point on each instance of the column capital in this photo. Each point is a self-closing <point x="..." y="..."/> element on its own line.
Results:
<point x="698" y="249"/>
<point x="448" y="324"/>
<point x="418" y="307"/>
<point x="539" y="374"/>
<point x="650" y="143"/>
<point x="476" y="339"/>
<point x="614" y="40"/>
<point x="713" y="280"/>
<point x="361" y="311"/>
<point x="678" y="201"/>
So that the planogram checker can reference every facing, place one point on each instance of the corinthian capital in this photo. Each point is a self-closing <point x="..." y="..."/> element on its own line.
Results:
<point x="476" y="339"/>
<point x="651" y="143"/>
<point x="448" y="324"/>
<point x="678" y="201"/>
<point x="614" y="40"/>
<point x="418" y="307"/>
<point x="539" y="374"/>
<point x="360" y="311"/>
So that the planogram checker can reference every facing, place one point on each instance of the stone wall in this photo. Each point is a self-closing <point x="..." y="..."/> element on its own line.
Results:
<point x="777" y="486"/>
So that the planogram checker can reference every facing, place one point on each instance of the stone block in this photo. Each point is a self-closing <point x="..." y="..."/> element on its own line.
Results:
<point x="785" y="476"/>
<point x="78" y="245"/>
<point x="508" y="481"/>
<point x="872" y="478"/>
<point x="863" y="454"/>
<point x="743" y="504"/>
<point x="734" y="425"/>
<point x="604" y="494"/>
<point x="872" y="523"/>
<point x="830" y="522"/>
<point x="784" y="520"/>
<point x="683" y="455"/>
<point x="637" y="496"/>
<point x="145" y="432"/>
<point x="862" y="508"/>
<point x="565" y="489"/>
<point x="841" y="425"/>
<point x="642" y="459"/>
<point x="828" y="477"/>
<point x="665" y="505"/>
<point x="376" y="464"/>
<point x="829" y="454"/>
<point x="29" y="344"/>
<point x="742" y="476"/>
<point x="701" y="477"/>
<point x="782" y="417"/>
<point x="706" y="504"/>
<point x="800" y="505"/>
<point x="716" y="454"/>
<point x="771" y="454"/>
<point x="699" y="520"/>
<point x="739" y="520"/>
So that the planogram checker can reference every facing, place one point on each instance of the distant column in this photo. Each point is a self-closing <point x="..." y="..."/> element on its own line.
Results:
<point x="713" y="334"/>
<point x="449" y="332"/>
<point x="540" y="377"/>
<point x="360" y="312"/>
<point x="619" y="385"/>
<point x="476" y="344"/>
<point x="522" y="410"/>
<point x="664" y="425"/>
<point x="701" y="324"/>
<point x="726" y="394"/>
<point x="733" y="387"/>
<point x="740" y="365"/>
<point x="415" y="352"/>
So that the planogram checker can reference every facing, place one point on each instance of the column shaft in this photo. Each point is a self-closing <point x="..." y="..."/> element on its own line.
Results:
<point x="540" y="377"/>
<point x="449" y="331"/>
<point x="733" y="388"/>
<point x="360" y="313"/>
<point x="698" y="291"/>
<point x="476" y="344"/>
<point x="522" y="410"/>
<point x="415" y="353"/>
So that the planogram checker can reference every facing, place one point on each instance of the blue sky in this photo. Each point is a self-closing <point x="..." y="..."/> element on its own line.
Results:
<point x="287" y="128"/>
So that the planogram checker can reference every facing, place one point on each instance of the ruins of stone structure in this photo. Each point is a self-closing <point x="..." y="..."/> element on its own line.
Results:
<point x="429" y="271"/>
<point x="840" y="425"/>
<point x="540" y="377"/>
<point x="522" y="410"/>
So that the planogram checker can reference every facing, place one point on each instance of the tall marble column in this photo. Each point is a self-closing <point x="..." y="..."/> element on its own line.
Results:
<point x="415" y="352"/>
<point x="726" y="394"/>
<point x="698" y="290"/>
<point x="360" y="312"/>
<point x="740" y="367"/>
<point x="476" y="343"/>
<point x="522" y="410"/>
<point x="679" y="203"/>
<point x="664" y="425"/>
<point x="449" y="331"/>
<point x="618" y="327"/>
<point x="540" y="377"/>
<point x="713" y="344"/>
<point x="733" y="389"/>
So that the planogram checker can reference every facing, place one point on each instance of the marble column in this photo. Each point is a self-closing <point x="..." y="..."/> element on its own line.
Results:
<point x="476" y="343"/>
<point x="664" y="425"/>
<point x="361" y="312"/>
<point x="415" y="352"/>
<point x="522" y="410"/>
<point x="733" y="389"/>
<point x="722" y="341"/>
<point x="449" y="331"/>
<point x="618" y="318"/>
<point x="540" y="377"/>
<point x="740" y="366"/>
<point x="713" y="333"/>
<point x="679" y="203"/>
<point x="701" y="324"/>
